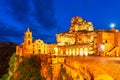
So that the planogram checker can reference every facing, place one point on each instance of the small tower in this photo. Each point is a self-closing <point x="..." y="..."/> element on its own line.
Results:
<point x="28" y="37"/>
<point x="28" y="46"/>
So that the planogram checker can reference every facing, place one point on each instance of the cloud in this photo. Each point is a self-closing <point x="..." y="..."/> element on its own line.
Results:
<point x="17" y="15"/>
<point x="40" y="12"/>
<point x="44" y="13"/>
<point x="19" y="10"/>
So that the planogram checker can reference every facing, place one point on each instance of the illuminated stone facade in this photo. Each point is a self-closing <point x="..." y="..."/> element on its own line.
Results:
<point x="78" y="24"/>
<point x="107" y="43"/>
<point x="80" y="32"/>
<point x="30" y="47"/>
<point x="81" y="39"/>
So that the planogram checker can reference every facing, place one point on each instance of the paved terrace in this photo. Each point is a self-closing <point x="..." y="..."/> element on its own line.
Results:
<point x="110" y="65"/>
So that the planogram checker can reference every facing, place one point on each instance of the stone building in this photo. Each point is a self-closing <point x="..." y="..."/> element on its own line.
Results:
<point x="30" y="47"/>
<point x="107" y="43"/>
<point x="81" y="39"/>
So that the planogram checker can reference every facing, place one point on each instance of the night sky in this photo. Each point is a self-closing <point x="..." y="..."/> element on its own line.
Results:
<point x="45" y="18"/>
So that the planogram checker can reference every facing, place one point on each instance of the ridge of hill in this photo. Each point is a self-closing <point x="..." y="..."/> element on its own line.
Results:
<point x="6" y="50"/>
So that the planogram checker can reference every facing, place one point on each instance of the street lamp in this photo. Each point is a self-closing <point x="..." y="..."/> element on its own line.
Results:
<point x="56" y="50"/>
<point x="103" y="47"/>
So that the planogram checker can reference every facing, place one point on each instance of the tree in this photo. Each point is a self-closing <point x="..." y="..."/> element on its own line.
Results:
<point x="5" y="77"/>
<point x="11" y="68"/>
<point x="11" y="62"/>
<point x="29" y="69"/>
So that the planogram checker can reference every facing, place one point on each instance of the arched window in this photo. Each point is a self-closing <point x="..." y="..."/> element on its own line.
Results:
<point x="29" y="42"/>
<point x="28" y="35"/>
<point x="39" y="51"/>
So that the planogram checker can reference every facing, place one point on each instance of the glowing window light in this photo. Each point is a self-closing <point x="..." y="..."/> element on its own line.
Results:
<point x="70" y="52"/>
<point x="102" y="47"/>
<point x="117" y="54"/>
<point x="81" y="51"/>
<point x="86" y="51"/>
<point x="61" y="51"/>
<point x="77" y="51"/>
<point x="56" y="50"/>
<point x="66" y="51"/>
<point x="73" y="51"/>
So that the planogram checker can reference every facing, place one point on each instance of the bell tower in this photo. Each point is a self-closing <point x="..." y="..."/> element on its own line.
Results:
<point x="28" y="46"/>
<point x="28" y="37"/>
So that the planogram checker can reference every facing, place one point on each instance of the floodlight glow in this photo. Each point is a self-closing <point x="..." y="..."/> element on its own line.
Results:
<point x="112" y="25"/>
<point x="103" y="47"/>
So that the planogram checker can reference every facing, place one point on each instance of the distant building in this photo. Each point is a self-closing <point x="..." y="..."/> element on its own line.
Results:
<point x="107" y="43"/>
<point x="80" y="40"/>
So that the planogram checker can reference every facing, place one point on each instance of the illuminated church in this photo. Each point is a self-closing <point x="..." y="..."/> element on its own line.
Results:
<point x="80" y="40"/>
<point x="29" y="47"/>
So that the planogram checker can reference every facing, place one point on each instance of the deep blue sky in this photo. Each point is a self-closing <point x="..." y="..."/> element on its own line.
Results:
<point x="45" y="18"/>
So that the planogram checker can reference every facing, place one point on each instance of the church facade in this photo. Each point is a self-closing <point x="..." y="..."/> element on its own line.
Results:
<point x="30" y="47"/>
